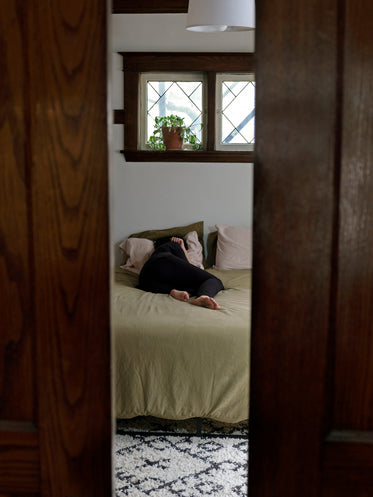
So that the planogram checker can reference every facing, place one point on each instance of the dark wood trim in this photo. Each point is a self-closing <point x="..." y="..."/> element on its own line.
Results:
<point x="353" y="394"/>
<point x="348" y="467"/>
<point x="19" y="459"/>
<point x="136" y="62"/>
<point x="150" y="7"/>
<point x="187" y="156"/>
<point x="188" y="61"/>
<point x="118" y="116"/>
<point x="211" y="110"/>
<point x="131" y="103"/>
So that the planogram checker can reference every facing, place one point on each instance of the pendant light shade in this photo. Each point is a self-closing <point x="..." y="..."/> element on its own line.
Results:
<point x="221" y="15"/>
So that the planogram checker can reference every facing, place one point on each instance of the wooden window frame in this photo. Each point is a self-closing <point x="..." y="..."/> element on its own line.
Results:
<point x="210" y="63"/>
<point x="220" y="114"/>
<point x="149" y="7"/>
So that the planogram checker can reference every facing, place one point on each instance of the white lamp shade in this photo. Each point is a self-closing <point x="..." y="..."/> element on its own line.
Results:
<point x="221" y="15"/>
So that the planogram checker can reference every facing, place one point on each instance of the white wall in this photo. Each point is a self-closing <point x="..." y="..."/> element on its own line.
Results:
<point x="161" y="195"/>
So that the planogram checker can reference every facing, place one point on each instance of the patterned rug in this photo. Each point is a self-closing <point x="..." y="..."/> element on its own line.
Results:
<point x="191" y="458"/>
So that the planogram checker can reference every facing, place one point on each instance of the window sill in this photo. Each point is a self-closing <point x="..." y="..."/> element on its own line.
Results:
<point x="187" y="156"/>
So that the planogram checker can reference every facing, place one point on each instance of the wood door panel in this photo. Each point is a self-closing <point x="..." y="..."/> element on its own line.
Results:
<point x="19" y="459"/>
<point x="16" y="371"/>
<point x="312" y="348"/>
<point x="293" y="216"/>
<point x="55" y="407"/>
<point x="71" y="232"/>
<point x="347" y="466"/>
<point x="353" y="402"/>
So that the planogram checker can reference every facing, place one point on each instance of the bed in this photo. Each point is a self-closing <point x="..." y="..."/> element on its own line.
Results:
<point x="174" y="360"/>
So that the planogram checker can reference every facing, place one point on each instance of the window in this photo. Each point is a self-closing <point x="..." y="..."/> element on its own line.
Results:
<point x="235" y="113"/>
<point x="163" y="94"/>
<point x="213" y="92"/>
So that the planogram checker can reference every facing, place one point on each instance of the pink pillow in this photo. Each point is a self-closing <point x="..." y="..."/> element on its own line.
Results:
<point x="194" y="249"/>
<point x="136" y="252"/>
<point x="234" y="247"/>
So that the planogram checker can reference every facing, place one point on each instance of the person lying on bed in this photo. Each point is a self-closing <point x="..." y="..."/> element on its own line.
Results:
<point x="169" y="268"/>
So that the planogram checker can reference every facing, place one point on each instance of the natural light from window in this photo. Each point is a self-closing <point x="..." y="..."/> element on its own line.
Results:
<point x="235" y="118"/>
<point x="182" y="97"/>
<point x="185" y="95"/>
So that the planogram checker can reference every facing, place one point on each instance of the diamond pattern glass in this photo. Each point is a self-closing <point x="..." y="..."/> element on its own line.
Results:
<point x="183" y="98"/>
<point x="238" y="112"/>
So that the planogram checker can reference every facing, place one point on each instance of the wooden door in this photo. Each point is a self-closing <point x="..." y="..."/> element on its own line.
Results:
<point x="311" y="406"/>
<point x="55" y="420"/>
<point x="312" y="350"/>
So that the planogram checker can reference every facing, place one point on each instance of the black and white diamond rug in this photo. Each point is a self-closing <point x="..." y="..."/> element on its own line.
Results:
<point x="176" y="462"/>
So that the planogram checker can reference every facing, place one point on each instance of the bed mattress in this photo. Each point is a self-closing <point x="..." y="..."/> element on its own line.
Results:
<point x="174" y="360"/>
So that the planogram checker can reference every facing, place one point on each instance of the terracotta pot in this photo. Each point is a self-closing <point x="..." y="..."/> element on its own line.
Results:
<point x="171" y="138"/>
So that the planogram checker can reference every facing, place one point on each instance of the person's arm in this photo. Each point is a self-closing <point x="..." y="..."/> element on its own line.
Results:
<point x="180" y="241"/>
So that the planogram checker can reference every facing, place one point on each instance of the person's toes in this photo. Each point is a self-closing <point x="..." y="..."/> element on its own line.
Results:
<point x="212" y="304"/>
<point x="185" y="296"/>
<point x="179" y="295"/>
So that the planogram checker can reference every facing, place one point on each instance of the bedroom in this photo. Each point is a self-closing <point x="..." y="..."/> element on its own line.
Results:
<point x="313" y="259"/>
<point x="158" y="195"/>
<point x="165" y="194"/>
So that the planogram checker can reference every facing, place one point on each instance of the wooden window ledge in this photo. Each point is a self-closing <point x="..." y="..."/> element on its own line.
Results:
<point x="187" y="156"/>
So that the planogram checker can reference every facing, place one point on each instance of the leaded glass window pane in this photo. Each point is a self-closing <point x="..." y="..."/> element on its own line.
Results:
<point x="236" y="118"/>
<point x="163" y="97"/>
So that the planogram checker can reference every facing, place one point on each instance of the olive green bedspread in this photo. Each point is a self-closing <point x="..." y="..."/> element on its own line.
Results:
<point x="174" y="360"/>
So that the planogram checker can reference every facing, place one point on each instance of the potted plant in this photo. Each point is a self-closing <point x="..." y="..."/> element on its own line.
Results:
<point x="170" y="133"/>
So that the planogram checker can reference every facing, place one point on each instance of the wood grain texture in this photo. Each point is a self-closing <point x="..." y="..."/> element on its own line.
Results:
<point x="353" y="402"/>
<point x="17" y="400"/>
<point x="293" y="234"/>
<point x="348" y="468"/>
<point x="19" y="460"/>
<point x="67" y="44"/>
<point x="150" y="7"/>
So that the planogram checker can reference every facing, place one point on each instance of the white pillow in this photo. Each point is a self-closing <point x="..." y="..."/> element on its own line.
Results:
<point x="194" y="249"/>
<point x="234" y="247"/>
<point x="136" y="252"/>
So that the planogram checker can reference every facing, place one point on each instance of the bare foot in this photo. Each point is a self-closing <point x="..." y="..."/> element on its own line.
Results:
<point x="205" y="301"/>
<point x="180" y="241"/>
<point x="179" y="295"/>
